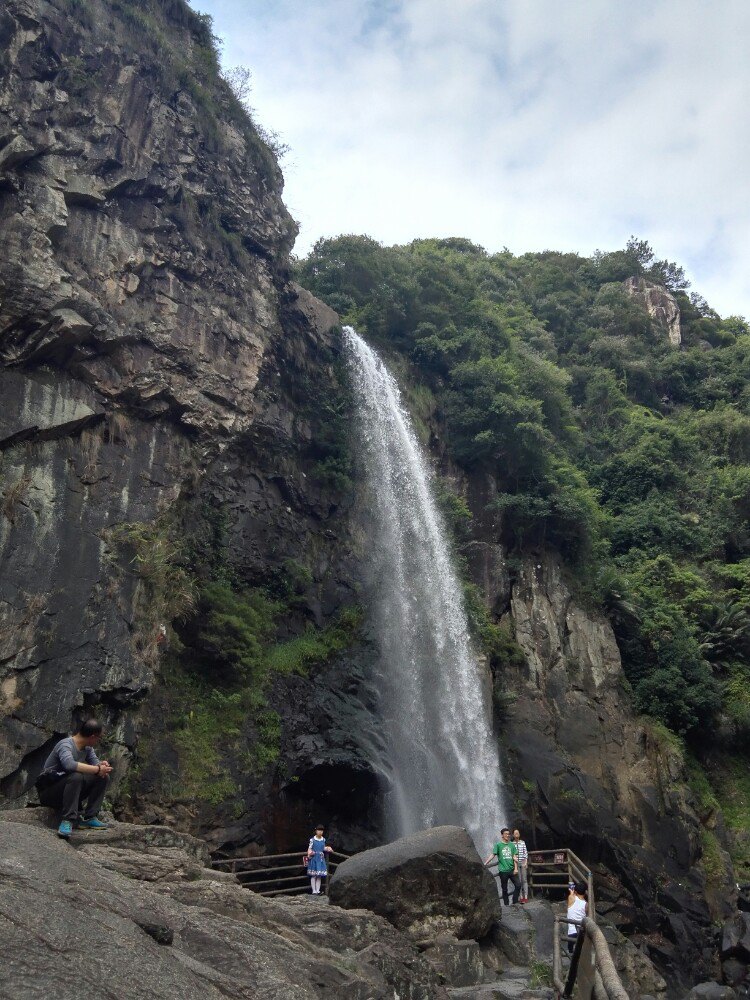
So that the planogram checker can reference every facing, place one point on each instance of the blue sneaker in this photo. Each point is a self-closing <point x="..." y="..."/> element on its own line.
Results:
<point x="65" y="829"/>
<point x="91" y="824"/>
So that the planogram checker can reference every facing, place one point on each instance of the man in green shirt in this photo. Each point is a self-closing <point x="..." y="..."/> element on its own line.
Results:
<point x="505" y="856"/>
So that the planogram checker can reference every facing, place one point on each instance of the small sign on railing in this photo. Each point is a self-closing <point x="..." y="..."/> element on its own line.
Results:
<point x="561" y="858"/>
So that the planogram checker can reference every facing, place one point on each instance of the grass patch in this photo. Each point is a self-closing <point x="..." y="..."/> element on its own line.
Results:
<point x="421" y="403"/>
<point x="540" y="975"/>
<point x="711" y="857"/>
<point x="701" y="788"/>
<point x="733" y="793"/>
<point x="315" y="645"/>
<point x="14" y="494"/>
<point x="665" y="748"/>
<point x="166" y="589"/>
<point x="221" y="723"/>
<point x="495" y="640"/>
<point x="455" y="511"/>
<point x="199" y="736"/>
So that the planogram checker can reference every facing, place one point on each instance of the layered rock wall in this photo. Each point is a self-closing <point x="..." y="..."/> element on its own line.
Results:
<point x="143" y="285"/>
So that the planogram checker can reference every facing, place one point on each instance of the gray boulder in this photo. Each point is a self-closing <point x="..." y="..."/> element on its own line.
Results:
<point x="735" y="938"/>
<point x="711" y="991"/>
<point x="429" y="884"/>
<point x="734" y="972"/>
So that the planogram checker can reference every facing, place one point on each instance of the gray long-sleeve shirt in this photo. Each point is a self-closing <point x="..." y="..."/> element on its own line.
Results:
<point x="66" y="756"/>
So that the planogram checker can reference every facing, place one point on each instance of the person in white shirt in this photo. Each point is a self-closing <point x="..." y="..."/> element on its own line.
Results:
<point x="577" y="906"/>
<point x="523" y="865"/>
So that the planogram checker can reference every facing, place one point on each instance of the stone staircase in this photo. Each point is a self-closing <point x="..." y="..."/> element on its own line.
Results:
<point x="515" y="965"/>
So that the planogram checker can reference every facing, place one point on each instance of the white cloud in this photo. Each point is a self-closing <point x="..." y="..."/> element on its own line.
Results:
<point x="528" y="123"/>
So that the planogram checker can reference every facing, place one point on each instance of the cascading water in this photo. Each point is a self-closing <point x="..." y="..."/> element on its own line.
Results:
<point x="434" y="701"/>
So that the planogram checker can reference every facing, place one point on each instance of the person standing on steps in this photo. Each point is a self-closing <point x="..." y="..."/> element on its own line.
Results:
<point x="577" y="906"/>
<point x="505" y="855"/>
<point x="523" y="865"/>
<point x="317" y="868"/>
<point x="72" y="775"/>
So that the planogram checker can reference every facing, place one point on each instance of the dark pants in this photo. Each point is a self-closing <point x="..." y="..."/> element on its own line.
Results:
<point x="572" y="938"/>
<point x="70" y="792"/>
<point x="516" y="880"/>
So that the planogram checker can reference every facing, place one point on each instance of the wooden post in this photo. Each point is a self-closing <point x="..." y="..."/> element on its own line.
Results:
<point x="556" y="959"/>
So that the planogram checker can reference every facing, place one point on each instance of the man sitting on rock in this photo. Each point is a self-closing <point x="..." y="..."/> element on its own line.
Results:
<point x="505" y="855"/>
<point x="72" y="775"/>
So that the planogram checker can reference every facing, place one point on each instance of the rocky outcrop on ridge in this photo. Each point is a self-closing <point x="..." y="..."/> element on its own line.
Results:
<point x="660" y="304"/>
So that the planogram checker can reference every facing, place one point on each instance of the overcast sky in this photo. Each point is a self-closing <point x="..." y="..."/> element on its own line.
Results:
<point x="531" y="124"/>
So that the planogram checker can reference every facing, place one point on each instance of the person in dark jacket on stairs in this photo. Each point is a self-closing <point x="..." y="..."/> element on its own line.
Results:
<point x="72" y="775"/>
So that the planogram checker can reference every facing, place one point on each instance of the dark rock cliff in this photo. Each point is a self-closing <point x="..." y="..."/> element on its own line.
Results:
<point x="158" y="366"/>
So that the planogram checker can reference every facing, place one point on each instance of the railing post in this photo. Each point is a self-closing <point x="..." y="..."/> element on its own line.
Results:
<point x="556" y="959"/>
<point x="605" y="966"/>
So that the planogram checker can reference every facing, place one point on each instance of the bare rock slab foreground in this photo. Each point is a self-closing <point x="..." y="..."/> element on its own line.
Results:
<point x="71" y="927"/>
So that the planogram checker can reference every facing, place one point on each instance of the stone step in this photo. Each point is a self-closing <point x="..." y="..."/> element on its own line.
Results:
<point x="459" y="962"/>
<point x="511" y="989"/>
<point x="525" y="932"/>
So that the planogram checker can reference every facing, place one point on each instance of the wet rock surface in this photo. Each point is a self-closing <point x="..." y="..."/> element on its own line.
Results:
<point x="427" y="884"/>
<point x="130" y="345"/>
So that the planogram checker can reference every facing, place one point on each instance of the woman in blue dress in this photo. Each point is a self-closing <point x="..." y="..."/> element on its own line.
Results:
<point x="317" y="868"/>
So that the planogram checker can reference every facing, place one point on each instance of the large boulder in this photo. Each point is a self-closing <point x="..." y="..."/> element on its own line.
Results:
<point x="428" y="884"/>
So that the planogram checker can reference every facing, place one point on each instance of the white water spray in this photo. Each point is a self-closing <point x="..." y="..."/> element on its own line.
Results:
<point x="435" y="700"/>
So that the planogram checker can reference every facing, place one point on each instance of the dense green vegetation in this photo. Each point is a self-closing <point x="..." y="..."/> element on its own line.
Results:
<point x="628" y="455"/>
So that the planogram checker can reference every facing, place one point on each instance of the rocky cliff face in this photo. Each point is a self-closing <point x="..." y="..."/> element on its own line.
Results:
<point x="589" y="774"/>
<point x="660" y="304"/>
<point x="150" y="343"/>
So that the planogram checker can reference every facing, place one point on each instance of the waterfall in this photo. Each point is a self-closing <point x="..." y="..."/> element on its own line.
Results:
<point x="435" y="700"/>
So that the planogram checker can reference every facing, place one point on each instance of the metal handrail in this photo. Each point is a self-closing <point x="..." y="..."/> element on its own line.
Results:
<point x="252" y="871"/>
<point x="232" y="862"/>
<point x="563" y="864"/>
